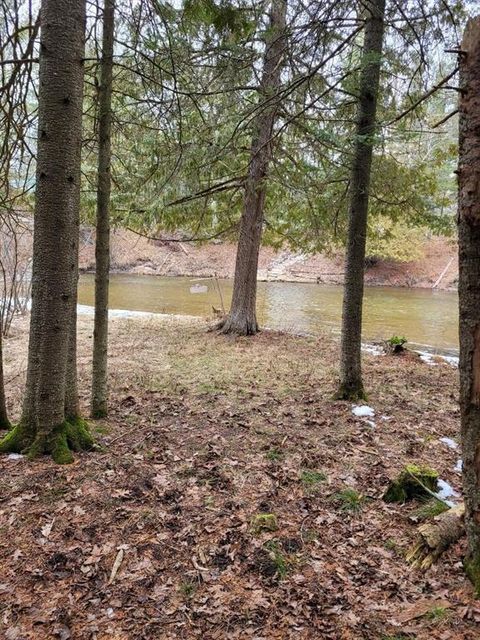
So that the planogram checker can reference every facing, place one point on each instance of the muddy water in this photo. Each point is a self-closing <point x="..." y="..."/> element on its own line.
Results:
<point x="425" y="317"/>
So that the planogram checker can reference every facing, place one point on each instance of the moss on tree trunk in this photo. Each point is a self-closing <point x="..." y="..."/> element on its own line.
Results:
<point x="59" y="442"/>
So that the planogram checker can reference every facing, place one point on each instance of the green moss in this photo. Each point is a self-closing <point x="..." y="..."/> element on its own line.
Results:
<point x="471" y="565"/>
<point x="430" y="509"/>
<point x="67" y="437"/>
<point x="414" y="482"/>
<point x="264" y="522"/>
<point x="16" y="440"/>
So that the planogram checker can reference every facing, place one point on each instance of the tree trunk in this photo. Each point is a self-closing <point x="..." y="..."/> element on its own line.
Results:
<point x="43" y="428"/>
<point x="72" y="407"/>
<point x="4" y="422"/>
<point x="351" y="385"/>
<point x="99" y="407"/>
<point x="469" y="288"/>
<point x="242" y="319"/>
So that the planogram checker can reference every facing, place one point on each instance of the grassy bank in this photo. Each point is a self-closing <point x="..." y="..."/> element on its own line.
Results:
<point x="233" y="498"/>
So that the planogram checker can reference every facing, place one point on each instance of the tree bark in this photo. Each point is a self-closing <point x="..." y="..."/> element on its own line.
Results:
<point x="435" y="537"/>
<point x="99" y="406"/>
<point x="242" y="318"/>
<point x="469" y="288"/>
<point x="43" y="428"/>
<point x="351" y="384"/>
<point x="4" y="422"/>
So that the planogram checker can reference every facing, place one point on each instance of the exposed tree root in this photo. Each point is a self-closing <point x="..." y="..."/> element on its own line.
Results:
<point x="59" y="443"/>
<point x="229" y="326"/>
<point x="16" y="440"/>
<point x="435" y="537"/>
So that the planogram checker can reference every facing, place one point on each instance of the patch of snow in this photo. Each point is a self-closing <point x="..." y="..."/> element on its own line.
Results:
<point x="446" y="491"/>
<point x="86" y="310"/>
<point x="363" y="411"/>
<point x="449" y="442"/>
<point x="15" y="456"/>
<point x="428" y="359"/>
<point x="373" y="349"/>
<point x="371" y="423"/>
<point x="452" y="360"/>
<point x="458" y="466"/>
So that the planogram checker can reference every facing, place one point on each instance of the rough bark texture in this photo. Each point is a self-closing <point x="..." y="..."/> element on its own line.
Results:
<point x="43" y="428"/>
<point x="469" y="289"/>
<point x="435" y="537"/>
<point x="4" y="423"/>
<point x="242" y="318"/>
<point x="351" y="385"/>
<point x="99" y="407"/>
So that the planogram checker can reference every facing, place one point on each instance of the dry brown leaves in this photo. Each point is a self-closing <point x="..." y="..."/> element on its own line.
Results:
<point x="152" y="538"/>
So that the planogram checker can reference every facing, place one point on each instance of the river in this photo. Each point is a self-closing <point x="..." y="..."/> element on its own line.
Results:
<point x="426" y="318"/>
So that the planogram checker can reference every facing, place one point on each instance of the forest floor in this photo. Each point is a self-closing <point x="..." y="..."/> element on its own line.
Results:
<point x="135" y="254"/>
<point x="160" y="534"/>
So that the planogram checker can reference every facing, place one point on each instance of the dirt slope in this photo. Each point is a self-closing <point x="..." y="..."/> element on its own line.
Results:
<point x="136" y="254"/>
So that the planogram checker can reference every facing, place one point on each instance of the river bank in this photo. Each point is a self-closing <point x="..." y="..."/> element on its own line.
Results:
<point x="206" y="433"/>
<point x="135" y="254"/>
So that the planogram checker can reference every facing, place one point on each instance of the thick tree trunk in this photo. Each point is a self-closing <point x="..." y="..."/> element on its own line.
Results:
<point x="43" y="428"/>
<point x="4" y="422"/>
<point x="99" y="407"/>
<point x="351" y="385"/>
<point x="469" y="289"/>
<point x="242" y="317"/>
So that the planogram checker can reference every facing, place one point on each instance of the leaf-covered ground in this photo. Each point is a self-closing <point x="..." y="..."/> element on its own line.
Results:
<point x="233" y="498"/>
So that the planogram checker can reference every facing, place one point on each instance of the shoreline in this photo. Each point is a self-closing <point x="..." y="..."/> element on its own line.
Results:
<point x="292" y="280"/>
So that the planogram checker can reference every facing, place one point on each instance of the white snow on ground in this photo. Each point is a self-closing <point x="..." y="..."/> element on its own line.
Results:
<point x="86" y="310"/>
<point x="428" y="359"/>
<point x="14" y="456"/>
<point x="449" y="442"/>
<point x="425" y="356"/>
<point x="373" y="349"/>
<point x="458" y="466"/>
<point x="446" y="491"/>
<point x="363" y="411"/>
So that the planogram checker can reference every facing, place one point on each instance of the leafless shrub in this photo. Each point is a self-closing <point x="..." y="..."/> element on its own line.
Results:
<point x="15" y="269"/>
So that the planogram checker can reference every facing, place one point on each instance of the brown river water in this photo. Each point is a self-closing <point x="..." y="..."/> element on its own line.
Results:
<point x="426" y="318"/>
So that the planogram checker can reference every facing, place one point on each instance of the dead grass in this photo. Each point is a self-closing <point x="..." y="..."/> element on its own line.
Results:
<point x="205" y="435"/>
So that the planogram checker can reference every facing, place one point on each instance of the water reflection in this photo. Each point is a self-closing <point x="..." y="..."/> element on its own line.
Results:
<point x="425" y="317"/>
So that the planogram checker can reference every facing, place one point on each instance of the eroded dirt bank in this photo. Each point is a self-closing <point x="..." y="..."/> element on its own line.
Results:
<point x="136" y="254"/>
<point x="161" y="535"/>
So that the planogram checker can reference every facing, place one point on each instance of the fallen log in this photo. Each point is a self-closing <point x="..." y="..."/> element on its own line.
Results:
<point x="435" y="537"/>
